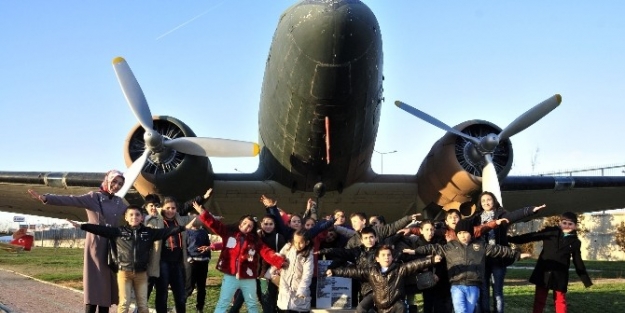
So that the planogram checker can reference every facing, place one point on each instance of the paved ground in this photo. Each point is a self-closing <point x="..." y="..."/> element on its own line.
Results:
<point x="22" y="294"/>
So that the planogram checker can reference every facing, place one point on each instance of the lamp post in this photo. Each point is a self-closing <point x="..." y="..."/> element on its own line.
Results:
<point x="382" y="159"/>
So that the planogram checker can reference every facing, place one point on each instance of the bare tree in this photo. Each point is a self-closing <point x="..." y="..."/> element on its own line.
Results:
<point x="5" y="227"/>
<point x="619" y="236"/>
<point x="535" y="159"/>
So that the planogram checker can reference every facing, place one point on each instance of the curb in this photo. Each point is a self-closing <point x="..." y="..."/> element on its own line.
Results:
<point x="41" y="281"/>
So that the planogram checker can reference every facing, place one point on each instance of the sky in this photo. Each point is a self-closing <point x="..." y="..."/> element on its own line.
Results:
<point x="203" y="61"/>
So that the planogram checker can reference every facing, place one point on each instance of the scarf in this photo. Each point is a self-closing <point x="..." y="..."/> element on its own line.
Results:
<point x="486" y="217"/>
<point x="105" y="187"/>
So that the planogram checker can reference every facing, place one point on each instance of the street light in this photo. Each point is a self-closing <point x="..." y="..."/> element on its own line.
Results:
<point x="382" y="159"/>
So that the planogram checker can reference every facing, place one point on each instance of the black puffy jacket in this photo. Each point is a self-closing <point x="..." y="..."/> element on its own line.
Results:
<point x="133" y="244"/>
<point x="388" y="287"/>
<point x="466" y="263"/>
<point x="360" y="256"/>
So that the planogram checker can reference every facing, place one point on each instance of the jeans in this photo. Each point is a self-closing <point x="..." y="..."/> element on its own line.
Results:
<point x="172" y="274"/>
<point x="237" y="302"/>
<point x="498" y="274"/>
<point x="129" y="281"/>
<point x="464" y="298"/>
<point x="229" y="285"/>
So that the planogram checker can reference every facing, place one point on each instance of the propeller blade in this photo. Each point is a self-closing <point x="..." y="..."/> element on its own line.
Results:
<point x="530" y="117"/>
<point x="132" y="173"/>
<point x="490" y="181"/>
<point x="133" y="93"/>
<point x="213" y="147"/>
<point x="432" y="120"/>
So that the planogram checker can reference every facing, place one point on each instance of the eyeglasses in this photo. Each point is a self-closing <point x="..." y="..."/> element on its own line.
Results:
<point x="567" y="223"/>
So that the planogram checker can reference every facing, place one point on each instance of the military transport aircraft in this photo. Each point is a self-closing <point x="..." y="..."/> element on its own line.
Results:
<point x="318" y="119"/>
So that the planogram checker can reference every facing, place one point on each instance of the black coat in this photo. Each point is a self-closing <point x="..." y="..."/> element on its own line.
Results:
<point x="552" y="267"/>
<point x="466" y="264"/>
<point x="381" y="231"/>
<point x="361" y="256"/>
<point x="133" y="244"/>
<point x="388" y="287"/>
<point x="440" y="269"/>
<point x="501" y="232"/>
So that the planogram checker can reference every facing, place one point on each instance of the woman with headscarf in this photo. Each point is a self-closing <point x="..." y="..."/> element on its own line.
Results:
<point x="103" y="208"/>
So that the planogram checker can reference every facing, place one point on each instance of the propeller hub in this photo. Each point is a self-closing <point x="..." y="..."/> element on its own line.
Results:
<point x="488" y="144"/>
<point x="153" y="141"/>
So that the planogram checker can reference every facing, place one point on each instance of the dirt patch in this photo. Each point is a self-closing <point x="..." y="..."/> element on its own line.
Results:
<point x="75" y="284"/>
<point x="596" y="281"/>
<point x="213" y="281"/>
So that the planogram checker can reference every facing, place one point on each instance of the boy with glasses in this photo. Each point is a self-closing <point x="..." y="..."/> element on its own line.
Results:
<point x="560" y="244"/>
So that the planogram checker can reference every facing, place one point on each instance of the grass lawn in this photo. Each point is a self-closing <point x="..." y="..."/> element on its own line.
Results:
<point x="64" y="266"/>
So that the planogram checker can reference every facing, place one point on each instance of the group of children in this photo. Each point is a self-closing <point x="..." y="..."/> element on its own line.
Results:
<point x="383" y="258"/>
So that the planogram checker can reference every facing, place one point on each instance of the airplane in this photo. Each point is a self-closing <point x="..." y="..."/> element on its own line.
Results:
<point x="319" y="114"/>
<point x="19" y="241"/>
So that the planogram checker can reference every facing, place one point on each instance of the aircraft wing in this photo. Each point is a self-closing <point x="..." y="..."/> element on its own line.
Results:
<point x="564" y="193"/>
<point x="394" y="196"/>
<point x="14" y="196"/>
<point x="390" y="195"/>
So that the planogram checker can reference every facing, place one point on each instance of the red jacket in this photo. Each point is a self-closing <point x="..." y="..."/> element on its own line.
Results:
<point x="240" y="253"/>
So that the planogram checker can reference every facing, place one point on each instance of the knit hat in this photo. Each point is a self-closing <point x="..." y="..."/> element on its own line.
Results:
<point x="569" y="216"/>
<point x="464" y="225"/>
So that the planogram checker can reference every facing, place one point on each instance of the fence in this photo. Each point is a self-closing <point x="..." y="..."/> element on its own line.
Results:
<point x="60" y="237"/>
<point x="70" y="238"/>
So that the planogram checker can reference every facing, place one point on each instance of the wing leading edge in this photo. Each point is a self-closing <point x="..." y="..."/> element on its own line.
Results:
<point x="565" y="193"/>
<point x="390" y="195"/>
<point x="15" y="198"/>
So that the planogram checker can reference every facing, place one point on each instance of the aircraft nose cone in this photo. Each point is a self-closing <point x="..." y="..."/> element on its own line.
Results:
<point x="333" y="32"/>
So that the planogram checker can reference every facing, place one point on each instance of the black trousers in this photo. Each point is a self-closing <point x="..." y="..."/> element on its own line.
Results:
<point x="91" y="308"/>
<point x="196" y="274"/>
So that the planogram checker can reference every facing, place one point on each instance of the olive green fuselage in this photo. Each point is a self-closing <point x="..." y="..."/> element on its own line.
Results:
<point x="321" y="96"/>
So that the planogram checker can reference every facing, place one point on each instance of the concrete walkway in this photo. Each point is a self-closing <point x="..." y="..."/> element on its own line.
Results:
<point x="23" y="294"/>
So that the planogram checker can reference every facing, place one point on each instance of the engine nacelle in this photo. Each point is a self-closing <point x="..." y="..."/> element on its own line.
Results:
<point x="173" y="172"/>
<point x="450" y="174"/>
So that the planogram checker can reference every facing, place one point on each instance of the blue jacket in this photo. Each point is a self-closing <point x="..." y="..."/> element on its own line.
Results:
<point x="195" y="239"/>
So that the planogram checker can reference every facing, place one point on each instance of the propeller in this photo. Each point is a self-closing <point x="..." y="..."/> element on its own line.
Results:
<point x="156" y="142"/>
<point x="483" y="148"/>
<point x="132" y="173"/>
